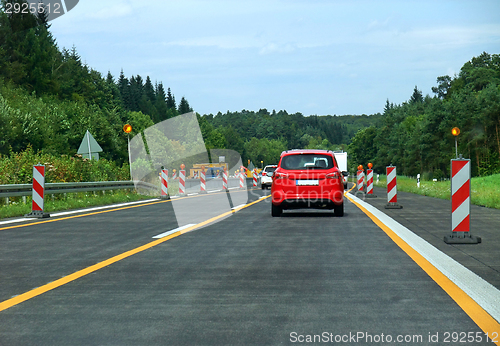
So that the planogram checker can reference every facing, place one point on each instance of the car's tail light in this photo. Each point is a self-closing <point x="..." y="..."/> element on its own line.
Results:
<point x="334" y="175"/>
<point x="264" y="174"/>
<point x="280" y="176"/>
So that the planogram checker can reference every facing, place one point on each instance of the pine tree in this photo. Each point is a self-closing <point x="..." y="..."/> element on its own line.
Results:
<point x="184" y="106"/>
<point x="29" y="52"/>
<point x="160" y="103"/>
<point x="170" y="100"/>
<point x="417" y="96"/>
<point x="149" y="90"/>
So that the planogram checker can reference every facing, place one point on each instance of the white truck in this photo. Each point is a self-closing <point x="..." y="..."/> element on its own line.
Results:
<point x="341" y="157"/>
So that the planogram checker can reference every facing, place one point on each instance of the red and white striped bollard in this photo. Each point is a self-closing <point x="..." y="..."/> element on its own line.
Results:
<point x="203" y="186"/>
<point x="369" y="183"/>
<point x="164" y="184"/>
<point x="460" y="204"/>
<point x="182" y="181"/>
<point x="242" y="179"/>
<point x="224" y="180"/>
<point x="38" y="193"/>
<point x="254" y="178"/>
<point x="392" y="190"/>
<point x="360" y="180"/>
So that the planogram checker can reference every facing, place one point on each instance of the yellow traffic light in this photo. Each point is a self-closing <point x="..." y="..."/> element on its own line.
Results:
<point x="127" y="128"/>
<point x="455" y="131"/>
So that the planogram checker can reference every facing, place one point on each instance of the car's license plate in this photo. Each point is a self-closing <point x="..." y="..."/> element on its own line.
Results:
<point x="306" y="182"/>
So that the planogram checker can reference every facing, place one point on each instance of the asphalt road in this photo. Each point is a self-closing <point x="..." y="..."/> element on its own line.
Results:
<point x="243" y="279"/>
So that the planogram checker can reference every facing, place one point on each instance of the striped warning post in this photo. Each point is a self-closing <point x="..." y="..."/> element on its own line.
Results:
<point x="38" y="194"/>
<point x="164" y="184"/>
<point x="203" y="184"/>
<point x="392" y="190"/>
<point x="224" y="180"/>
<point x="360" y="178"/>
<point x="369" y="183"/>
<point x="242" y="179"/>
<point x="254" y="178"/>
<point x="460" y="203"/>
<point x="182" y="182"/>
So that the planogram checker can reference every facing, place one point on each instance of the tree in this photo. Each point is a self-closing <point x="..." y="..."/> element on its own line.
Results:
<point x="170" y="100"/>
<point x="443" y="88"/>
<point x="416" y="97"/>
<point x="184" y="106"/>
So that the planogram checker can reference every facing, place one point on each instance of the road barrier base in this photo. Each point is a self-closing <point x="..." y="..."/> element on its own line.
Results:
<point x="166" y="197"/>
<point x="38" y="215"/>
<point x="468" y="239"/>
<point x="370" y="195"/>
<point x="393" y="206"/>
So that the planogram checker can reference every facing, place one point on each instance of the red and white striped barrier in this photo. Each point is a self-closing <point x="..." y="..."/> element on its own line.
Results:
<point x="254" y="178"/>
<point x="182" y="182"/>
<point x="369" y="183"/>
<point x="164" y="184"/>
<point x="392" y="190"/>
<point x="242" y="179"/>
<point x="38" y="194"/>
<point x="203" y="184"/>
<point x="360" y="179"/>
<point x="224" y="180"/>
<point x="460" y="203"/>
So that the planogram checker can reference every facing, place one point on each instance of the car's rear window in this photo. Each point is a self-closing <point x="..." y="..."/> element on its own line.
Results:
<point x="307" y="161"/>
<point x="269" y="169"/>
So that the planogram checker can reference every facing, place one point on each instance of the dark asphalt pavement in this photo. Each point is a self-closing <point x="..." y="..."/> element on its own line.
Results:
<point x="249" y="279"/>
<point x="430" y="218"/>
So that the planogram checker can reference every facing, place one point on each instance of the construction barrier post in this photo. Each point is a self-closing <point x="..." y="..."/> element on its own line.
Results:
<point x="203" y="186"/>
<point x="460" y="204"/>
<point x="164" y="184"/>
<point x="254" y="178"/>
<point x="224" y="180"/>
<point x="392" y="190"/>
<point x="360" y="177"/>
<point x="182" y="181"/>
<point x="242" y="178"/>
<point x="369" y="184"/>
<point x="38" y="194"/>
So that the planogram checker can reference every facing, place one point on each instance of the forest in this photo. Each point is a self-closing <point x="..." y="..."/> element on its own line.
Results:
<point x="416" y="135"/>
<point x="49" y="98"/>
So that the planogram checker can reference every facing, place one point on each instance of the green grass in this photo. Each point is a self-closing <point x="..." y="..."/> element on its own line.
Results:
<point x="485" y="191"/>
<point x="16" y="207"/>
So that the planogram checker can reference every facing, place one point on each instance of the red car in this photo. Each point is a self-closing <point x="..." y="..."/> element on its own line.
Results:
<point x="307" y="179"/>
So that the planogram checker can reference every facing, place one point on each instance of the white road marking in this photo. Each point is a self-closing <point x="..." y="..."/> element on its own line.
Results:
<point x="173" y="231"/>
<point x="82" y="210"/>
<point x="481" y="291"/>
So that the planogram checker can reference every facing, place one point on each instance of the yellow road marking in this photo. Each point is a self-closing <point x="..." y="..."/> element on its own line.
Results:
<point x="482" y="318"/>
<point x="72" y="277"/>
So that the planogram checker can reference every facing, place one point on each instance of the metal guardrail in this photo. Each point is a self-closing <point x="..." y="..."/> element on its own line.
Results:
<point x="16" y="190"/>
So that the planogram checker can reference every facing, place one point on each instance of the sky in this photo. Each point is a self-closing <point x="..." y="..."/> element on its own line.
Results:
<point x="310" y="56"/>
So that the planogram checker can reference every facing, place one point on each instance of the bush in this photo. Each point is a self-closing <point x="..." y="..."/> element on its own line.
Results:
<point x="18" y="168"/>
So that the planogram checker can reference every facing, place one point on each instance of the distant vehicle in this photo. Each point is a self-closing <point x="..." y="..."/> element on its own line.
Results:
<point x="214" y="172"/>
<point x="341" y="158"/>
<point x="267" y="176"/>
<point x="307" y="179"/>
